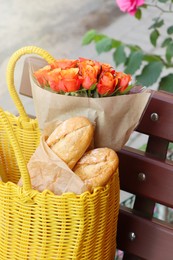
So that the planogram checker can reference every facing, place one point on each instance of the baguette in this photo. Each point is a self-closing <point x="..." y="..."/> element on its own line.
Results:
<point x="96" y="167"/>
<point x="71" y="139"/>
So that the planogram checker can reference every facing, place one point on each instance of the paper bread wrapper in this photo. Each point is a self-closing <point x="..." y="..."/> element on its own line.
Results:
<point x="48" y="172"/>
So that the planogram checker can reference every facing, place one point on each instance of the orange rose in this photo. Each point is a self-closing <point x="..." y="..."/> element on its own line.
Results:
<point x="41" y="75"/>
<point x="106" y="67"/>
<point x="64" y="80"/>
<point x="54" y="78"/>
<point x="64" y="64"/>
<point x="123" y="81"/>
<point x="107" y="83"/>
<point x="70" y="80"/>
<point x="89" y="71"/>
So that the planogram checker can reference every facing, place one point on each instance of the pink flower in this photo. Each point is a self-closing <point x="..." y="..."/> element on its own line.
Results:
<point x="129" y="6"/>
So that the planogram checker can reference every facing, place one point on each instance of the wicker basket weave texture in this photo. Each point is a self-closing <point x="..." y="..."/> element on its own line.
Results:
<point x="28" y="135"/>
<point x="45" y="226"/>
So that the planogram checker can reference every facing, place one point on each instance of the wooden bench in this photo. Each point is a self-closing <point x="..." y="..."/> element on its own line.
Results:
<point x="149" y="176"/>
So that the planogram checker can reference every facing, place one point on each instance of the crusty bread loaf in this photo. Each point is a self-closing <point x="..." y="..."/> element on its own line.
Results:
<point x="71" y="139"/>
<point x="96" y="167"/>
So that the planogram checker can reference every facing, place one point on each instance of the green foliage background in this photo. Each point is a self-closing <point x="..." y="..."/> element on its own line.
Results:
<point x="134" y="58"/>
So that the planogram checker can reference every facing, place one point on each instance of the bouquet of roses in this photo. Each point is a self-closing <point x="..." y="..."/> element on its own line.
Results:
<point x="84" y="78"/>
<point x="83" y="87"/>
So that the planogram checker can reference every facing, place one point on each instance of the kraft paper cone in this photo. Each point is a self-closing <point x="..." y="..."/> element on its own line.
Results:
<point x="115" y="117"/>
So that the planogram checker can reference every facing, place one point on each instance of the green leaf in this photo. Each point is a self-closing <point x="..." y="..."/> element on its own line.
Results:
<point x="93" y="86"/>
<point x="166" y="83"/>
<point x="151" y="58"/>
<point x="157" y="24"/>
<point x="99" y="37"/>
<point x="127" y="89"/>
<point x="166" y="42"/>
<point x="116" y="43"/>
<point x="119" y="55"/>
<point x="154" y="36"/>
<point x="89" y="37"/>
<point x="150" y="73"/>
<point x="134" y="62"/>
<point x="169" y="52"/>
<point x="144" y="6"/>
<point x="163" y="1"/>
<point x="143" y="147"/>
<point x="134" y="47"/>
<point x="170" y="30"/>
<point x="104" y="45"/>
<point x="138" y="14"/>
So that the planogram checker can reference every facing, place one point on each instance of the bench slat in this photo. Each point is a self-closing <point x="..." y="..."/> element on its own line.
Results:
<point x="159" y="176"/>
<point x="162" y="105"/>
<point x="154" y="241"/>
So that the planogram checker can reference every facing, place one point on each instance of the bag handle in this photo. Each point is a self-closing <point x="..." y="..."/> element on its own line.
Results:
<point x="10" y="74"/>
<point x="17" y="150"/>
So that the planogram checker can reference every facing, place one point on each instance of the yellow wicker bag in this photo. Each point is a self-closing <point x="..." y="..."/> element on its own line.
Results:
<point x="36" y="225"/>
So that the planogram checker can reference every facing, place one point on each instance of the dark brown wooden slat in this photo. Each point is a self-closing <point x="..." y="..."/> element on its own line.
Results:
<point x="154" y="241"/>
<point x="144" y="206"/>
<point x="131" y="257"/>
<point x="159" y="176"/>
<point x="162" y="105"/>
<point x="157" y="147"/>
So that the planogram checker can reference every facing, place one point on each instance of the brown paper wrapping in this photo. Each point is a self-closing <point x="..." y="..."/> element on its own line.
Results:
<point x="115" y="117"/>
<point x="48" y="171"/>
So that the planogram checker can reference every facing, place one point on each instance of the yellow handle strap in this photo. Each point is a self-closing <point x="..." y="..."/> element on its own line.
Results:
<point x="10" y="74"/>
<point x="17" y="150"/>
